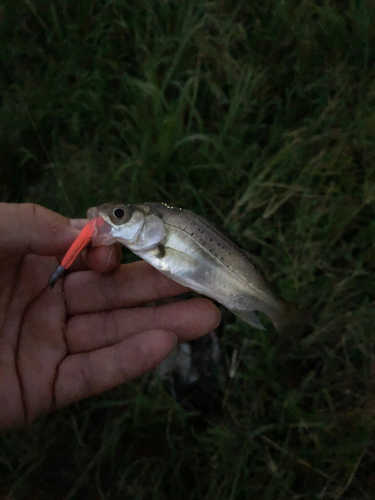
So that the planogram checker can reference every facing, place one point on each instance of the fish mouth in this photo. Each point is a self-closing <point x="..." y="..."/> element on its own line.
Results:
<point x="92" y="213"/>
<point x="103" y="230"/>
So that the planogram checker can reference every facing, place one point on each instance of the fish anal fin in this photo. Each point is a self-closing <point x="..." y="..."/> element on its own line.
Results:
<point x="249" y="317"/>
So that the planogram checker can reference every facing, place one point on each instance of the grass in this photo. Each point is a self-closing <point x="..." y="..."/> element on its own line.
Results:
<point x="259" y="115"/>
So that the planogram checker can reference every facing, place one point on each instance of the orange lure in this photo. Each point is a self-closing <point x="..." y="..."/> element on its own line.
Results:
<point x="77" y="246"/>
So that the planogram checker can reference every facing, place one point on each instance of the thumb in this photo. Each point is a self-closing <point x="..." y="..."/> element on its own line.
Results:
<point x="29" y="228"/>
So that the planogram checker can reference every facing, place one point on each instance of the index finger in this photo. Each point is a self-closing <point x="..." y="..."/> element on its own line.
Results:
<point x="129" y="286"/>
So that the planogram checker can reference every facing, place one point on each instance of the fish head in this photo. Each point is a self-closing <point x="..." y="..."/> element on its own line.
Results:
<point x="135" y="226"/>
<point x="122" y="223"/>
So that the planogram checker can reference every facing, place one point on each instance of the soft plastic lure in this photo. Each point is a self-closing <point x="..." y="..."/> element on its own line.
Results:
<point x="83" y="239"/>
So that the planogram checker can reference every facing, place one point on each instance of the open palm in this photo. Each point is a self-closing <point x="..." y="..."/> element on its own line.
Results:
<point x="56" y="348"/>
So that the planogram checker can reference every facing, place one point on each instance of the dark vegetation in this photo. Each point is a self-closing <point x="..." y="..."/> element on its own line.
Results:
<point x="259" y="115"/>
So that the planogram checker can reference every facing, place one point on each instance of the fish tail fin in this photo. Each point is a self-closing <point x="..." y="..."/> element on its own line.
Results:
<point x="289" y="320"/>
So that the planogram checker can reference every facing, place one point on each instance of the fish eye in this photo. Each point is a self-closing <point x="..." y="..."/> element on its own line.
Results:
<point x="118" y="212"/>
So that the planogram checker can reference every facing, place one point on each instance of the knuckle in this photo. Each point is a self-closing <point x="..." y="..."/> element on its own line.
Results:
<point x="110" y="328"/>
<point x="109" y="288"/>
<point x="33" y="209"/>
<point x="87" y="375"/>
<point x="157" y="316"/>
<point x="157" y="282"/>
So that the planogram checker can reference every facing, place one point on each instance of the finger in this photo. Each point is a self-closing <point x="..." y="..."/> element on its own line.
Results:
<point x="188" y="320"/>
<point x="131" y="285"/>
<point x="82" y="375"/>
<point x="29" y="228"/>
<point x="104" y="259"/>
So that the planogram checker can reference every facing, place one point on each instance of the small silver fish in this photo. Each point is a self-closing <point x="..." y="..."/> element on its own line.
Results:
<point x="196" y="253"/>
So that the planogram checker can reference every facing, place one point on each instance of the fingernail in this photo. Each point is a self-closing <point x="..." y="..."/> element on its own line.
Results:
<point x="109" y="258"/>
<point x="175" y="339"/>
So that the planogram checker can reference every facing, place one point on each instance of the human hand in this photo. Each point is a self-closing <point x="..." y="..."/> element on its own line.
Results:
<point x="56" y="350"/>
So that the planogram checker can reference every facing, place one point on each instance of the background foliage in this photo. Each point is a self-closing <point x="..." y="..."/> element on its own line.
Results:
<point x="257" y="114"/>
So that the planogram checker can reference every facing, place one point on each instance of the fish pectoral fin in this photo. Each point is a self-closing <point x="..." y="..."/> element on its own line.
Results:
<point x="249" y="317"/>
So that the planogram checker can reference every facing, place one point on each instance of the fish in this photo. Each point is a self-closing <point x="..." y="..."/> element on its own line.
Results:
<point x="198" y="254"/>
